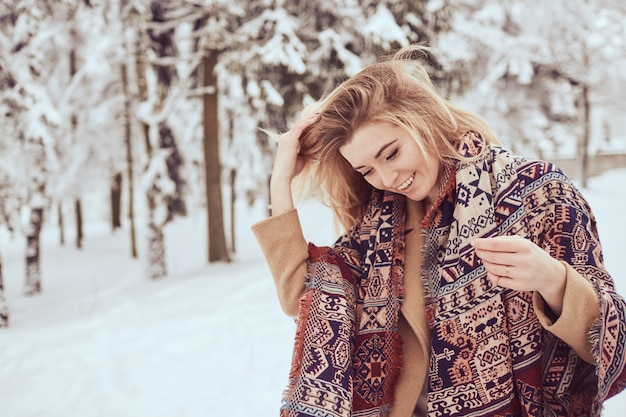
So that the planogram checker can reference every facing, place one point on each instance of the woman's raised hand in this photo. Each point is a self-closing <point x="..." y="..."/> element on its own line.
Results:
<point x="287" y="164"/>
<point x="517" y="263"/>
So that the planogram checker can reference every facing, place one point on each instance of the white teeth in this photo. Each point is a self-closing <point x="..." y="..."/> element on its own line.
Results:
<point x="406" y="183"/>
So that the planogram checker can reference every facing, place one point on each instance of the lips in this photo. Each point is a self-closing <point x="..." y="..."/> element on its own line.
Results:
<point x="406" y="184"/>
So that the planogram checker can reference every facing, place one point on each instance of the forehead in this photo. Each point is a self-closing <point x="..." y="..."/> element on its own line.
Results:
<point x="368" y="140"/>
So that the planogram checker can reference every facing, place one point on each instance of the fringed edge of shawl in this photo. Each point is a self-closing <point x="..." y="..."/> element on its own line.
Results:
<point x="594" y="335"/>
<point x="296" y="360"/>
<point x="396" y="371"/>
<point x="315" y="255"/>
<point x="398" y="279"/>
<point x="595" y="339"/>
<point x="446" y="189"/>
<point x="426" y="221"/>
<point x="398" y="342"/>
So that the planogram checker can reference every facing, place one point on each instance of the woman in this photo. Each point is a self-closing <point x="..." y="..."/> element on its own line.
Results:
<point x="468" y="282"/>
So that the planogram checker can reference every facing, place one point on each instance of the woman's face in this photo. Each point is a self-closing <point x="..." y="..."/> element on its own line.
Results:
<point x="389" y="159"/>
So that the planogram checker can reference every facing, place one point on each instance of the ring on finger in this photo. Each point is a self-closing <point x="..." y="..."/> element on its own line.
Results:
<point x="506" y="273"/>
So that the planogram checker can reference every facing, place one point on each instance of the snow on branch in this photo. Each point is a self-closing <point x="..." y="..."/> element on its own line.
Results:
<point x="284" y="47"/>
<point x="383" y="29"/>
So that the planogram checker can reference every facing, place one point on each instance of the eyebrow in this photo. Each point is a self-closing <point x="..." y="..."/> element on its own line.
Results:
<point x="380" y="151"/>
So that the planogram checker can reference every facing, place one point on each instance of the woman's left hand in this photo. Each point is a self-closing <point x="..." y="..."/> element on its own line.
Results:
<point x="517" y="263"/>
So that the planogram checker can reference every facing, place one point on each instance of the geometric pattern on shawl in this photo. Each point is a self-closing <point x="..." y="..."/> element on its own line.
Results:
<point x="489" y="354"/>
<point x="347" y="351"/>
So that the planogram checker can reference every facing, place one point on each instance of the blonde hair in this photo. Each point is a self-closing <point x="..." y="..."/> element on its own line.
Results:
<point x="395" y="89"/>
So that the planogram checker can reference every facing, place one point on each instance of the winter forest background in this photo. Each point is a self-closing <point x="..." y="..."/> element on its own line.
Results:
<point x="133" y="161"/>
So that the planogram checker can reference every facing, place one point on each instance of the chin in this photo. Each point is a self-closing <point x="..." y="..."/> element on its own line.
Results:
<point x="415" y="196"/>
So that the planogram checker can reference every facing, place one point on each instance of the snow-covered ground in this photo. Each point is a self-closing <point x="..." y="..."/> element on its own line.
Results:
<point x="209" y="340"/>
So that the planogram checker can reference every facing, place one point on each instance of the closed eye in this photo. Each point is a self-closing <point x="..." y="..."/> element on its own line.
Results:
<point x="389" y="157"/>
<point x="392" y="155"/>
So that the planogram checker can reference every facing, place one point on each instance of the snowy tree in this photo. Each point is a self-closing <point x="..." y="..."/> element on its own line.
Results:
<point x="580" y="47"/>
<point x="90" y="98"/>
<point x="125" y="15"/>
<point x="61" y="100"/>
<point x="8" y="102"/>
<point x="535" y="69"/>
<point x="32" y="117"/>
<point x="158" y="89"/>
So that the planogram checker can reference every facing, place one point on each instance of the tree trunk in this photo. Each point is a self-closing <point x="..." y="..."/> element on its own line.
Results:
<point x="233" y="200"/>
<point x="128" y="142"/>
<point x="33" y="265"/>
<point x="74" y="123"/>
<point x="155" y="250"/>
<point x="217" y="240"/>
<point x="78" y="211"/>
<point x="4" y="308"/>
<point x="61" y="223"/>
<point x="157" y="265"/>
<point x="583" y="143"/>
<point x="116" y="202"/>
<point x="269" y="201"/>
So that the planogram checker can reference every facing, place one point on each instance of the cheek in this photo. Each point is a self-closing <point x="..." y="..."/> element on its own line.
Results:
<point x="373" y="180"/>
<point x="428" y="165"/>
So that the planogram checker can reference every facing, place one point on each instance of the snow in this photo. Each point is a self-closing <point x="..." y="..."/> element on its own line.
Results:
<point x="383" y="29"/>
<point x="208" y="340"/>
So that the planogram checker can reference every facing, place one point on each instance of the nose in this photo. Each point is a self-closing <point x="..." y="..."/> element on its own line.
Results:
<point x="388" y="177"/>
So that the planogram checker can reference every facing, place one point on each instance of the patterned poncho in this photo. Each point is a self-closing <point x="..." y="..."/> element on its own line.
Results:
<point x="489" y="354"/>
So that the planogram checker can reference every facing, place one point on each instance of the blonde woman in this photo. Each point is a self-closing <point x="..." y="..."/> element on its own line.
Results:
<point x="468" y="281"/>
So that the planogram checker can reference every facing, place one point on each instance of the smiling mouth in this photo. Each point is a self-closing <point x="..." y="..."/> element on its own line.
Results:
<point x="406" y="184"/>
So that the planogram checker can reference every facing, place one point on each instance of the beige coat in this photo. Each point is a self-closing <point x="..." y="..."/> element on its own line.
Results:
<point x="285" y="250"/>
